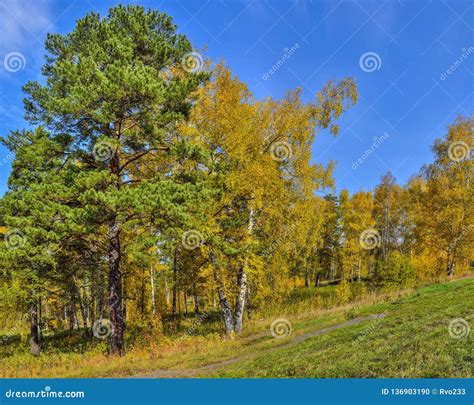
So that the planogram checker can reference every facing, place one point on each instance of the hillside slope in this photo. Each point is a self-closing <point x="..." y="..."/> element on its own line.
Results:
<point x="413" y="339"/>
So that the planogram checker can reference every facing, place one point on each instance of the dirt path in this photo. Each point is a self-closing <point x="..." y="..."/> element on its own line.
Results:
<point x="215" y="366"/>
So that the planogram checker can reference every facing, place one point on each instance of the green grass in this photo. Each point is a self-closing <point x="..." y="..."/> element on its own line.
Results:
<point x="411" y="341"/>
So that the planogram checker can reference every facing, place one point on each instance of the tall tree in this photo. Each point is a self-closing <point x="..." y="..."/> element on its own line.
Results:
<point x="107" y="90"/>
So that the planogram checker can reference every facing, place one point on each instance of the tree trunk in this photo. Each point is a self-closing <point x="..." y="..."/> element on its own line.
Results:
<point x="83" y="313"/>
<point x="124" y="300"/>
<point x="175" y="276"/>
<point x="317" y="282"/>
<point x="196" y="300"/>
<point x="35" y="344"/>
<point x="185" y="302"/>
<point x="242" y="282"/>
<point x="72" y="315"/>
<point x="40" y="318"/>
<point x="152" y="287"/>
<point x="359" y="265"/>
<point x="142" y="295"/>
<point x="239" y="310"/>
<point x="223" y="301"/>
<point x="82" y="308"/>
<point x="450" y="265"/>
<point x="117" y="344"/>
<point x="249" y="305"/>
<point x="167" y="292"/>
<point x="306" y="278"/>
<point x="226" y="312"/>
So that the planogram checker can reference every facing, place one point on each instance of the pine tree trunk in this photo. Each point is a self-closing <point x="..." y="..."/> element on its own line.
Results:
<point x="35" y="344"/>
<point x="124" y="300"/>
<point x="117" y="344"/>
<point x="83" y="313"/>
<point x="82" y="308"/>
<point x="72" y="316"/>
<point x="175" y="270"/>
<point x="40" y="318"/>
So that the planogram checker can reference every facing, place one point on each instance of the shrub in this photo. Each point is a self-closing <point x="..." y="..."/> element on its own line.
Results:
<point x="343" y="292"/>
<point x="396" y="271"/>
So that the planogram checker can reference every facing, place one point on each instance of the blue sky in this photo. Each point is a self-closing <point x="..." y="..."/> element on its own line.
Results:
<point x="410" y="93"/>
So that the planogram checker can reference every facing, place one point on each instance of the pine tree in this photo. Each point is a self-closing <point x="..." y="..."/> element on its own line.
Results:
<point x="110" y="90"/>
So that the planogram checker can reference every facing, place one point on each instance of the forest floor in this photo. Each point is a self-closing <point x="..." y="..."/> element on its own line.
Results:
<point x="402" y="334"/>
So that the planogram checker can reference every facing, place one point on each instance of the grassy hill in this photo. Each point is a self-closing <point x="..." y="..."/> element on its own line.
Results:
<point x="387" y="335"/>
<point x="412" y="340"/>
